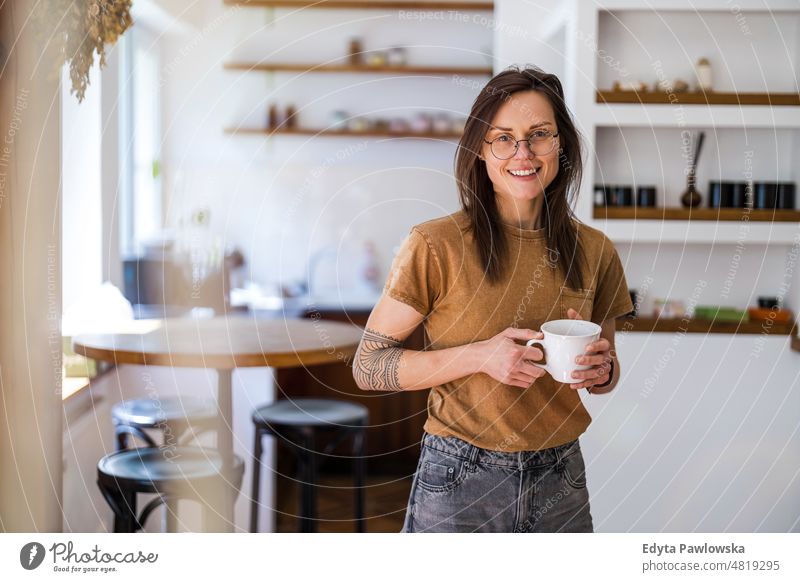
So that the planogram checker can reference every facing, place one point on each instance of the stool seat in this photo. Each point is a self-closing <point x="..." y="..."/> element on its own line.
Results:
<point x="171" y="473"/>
<point x="152" y="413"/>
<point x="311" y="412"/>
<point x="153" y="469"/>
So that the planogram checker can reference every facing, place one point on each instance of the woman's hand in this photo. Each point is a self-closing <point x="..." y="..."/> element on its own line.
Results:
<point x="597" y="355"/>
<point x="507" y="361"/>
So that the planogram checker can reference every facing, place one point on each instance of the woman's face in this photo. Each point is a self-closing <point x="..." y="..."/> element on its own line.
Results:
<point x="526" y="113"/>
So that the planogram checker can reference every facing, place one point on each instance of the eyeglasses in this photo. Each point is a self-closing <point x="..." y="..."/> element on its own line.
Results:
<point x="505" y="147"/>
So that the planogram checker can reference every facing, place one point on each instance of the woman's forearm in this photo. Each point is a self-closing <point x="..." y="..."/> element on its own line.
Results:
<point x="382" y="364"/>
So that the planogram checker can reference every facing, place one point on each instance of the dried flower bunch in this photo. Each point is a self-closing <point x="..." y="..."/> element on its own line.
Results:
<point x="83" y="28"/>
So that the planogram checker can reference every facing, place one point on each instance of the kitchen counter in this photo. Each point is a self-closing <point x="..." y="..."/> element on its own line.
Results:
<point x="273" y="306"/>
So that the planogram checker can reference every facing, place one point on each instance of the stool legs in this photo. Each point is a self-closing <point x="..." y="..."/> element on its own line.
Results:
<point x="308" y="483"/>
<point x="124" y="431"/>
<point x="307" y="474"/>
<point x="171" y="517"/>
<point x="123" y="505"/>
<point x="359" y="450"/>
<point x="256" y="490"/>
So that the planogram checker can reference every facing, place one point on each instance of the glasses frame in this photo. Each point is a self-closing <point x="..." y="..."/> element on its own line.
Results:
<point x="553" y="137"/>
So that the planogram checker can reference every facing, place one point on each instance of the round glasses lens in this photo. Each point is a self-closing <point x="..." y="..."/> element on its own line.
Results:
<point x="543" y="144"/>
<point x="504" y="147"/>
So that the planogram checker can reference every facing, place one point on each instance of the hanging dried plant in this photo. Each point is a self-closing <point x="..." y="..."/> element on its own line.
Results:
<point x="82" y="27"/>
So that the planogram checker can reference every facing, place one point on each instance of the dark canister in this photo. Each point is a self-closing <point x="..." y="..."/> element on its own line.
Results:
<point x="786" y="195"/>
<point x="739" y="194"/>
<point x="720" y="194"/>
<point x="646" y="196"/>
<point x="611" y="199"/>
<point x="623" y="195"/>
<point x="768" y="302"/>
<point x="766" y="195"/>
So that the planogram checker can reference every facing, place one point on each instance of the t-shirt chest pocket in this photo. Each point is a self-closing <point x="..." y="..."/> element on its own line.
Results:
<point x="581" y="300"/>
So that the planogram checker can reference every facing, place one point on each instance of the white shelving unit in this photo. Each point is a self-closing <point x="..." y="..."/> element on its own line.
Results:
<point x="754" y="116"/>
<point x="662" y="40"/>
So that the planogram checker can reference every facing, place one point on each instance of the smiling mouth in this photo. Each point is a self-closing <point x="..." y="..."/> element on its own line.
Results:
<point x="523" y="173"/>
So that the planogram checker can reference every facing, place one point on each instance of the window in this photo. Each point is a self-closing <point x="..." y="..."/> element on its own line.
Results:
<point x="141" y="215"/>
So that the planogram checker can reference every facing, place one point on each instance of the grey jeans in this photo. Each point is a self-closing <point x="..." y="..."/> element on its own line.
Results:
<point x="459" y="487"/>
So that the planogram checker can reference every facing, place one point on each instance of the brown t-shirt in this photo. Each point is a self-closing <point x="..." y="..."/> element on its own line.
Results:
<point x="437" y="271"/>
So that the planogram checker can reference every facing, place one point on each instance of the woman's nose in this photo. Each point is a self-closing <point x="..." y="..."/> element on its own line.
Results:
<point x="524" y="151"/>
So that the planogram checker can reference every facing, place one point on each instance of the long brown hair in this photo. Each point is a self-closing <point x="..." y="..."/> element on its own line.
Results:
<point x="477" y="192"/>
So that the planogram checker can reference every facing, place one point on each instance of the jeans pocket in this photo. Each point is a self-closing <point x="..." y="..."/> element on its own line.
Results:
<point x="440" y="472"/>
<point x="575" y="470"/>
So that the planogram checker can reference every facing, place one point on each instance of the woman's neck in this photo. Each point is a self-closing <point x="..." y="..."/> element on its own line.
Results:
<point x="525" y="214"/>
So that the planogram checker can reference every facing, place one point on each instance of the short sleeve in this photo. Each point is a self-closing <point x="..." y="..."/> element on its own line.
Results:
<point x="612" y="298"/>
<point x="415" y="275"/>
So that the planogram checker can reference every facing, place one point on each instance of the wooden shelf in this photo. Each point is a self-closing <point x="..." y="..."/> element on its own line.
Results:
<point x="699" y="98"/>
<point x="348" y="68"/>
<point x="365" y="4"/>
<point x="677" y="213"/>
<point x="340" y="133"/>
<point x="676" y="324"/>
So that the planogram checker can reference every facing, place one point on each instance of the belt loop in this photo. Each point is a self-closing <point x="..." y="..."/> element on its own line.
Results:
<point x="472" y="460"/>
<point x="560" y="465"/>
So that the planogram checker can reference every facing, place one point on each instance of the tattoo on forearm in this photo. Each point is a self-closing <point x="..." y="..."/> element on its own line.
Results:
<point x="377" y="362"/>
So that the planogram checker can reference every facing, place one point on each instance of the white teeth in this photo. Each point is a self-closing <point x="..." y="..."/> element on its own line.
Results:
<point x="522" y="172"/>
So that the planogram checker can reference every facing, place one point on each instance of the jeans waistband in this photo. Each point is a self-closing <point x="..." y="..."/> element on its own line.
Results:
<point x="522" y="460"/>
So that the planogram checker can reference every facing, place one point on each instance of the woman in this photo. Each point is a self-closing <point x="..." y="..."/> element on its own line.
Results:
<point x="500" y="450"/>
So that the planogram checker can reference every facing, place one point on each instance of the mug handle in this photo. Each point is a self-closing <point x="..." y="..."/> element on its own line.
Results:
<point x="539" y="344"/>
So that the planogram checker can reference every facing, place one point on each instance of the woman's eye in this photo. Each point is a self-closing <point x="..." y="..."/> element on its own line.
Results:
<point x="504" y="138"/>
<point x="540" y="134"/>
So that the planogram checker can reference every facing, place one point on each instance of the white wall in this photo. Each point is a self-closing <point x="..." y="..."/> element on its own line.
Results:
<point x="30" y="276"/>
<point x="700" y="436"/>
<point x="720" y="274"/>
<point x="528" y="37"/>
<point x="82" y="209"/>
<point x="749" y="52"/>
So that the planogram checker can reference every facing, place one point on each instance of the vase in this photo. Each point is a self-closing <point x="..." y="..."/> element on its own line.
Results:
<point x="691" y="197"/>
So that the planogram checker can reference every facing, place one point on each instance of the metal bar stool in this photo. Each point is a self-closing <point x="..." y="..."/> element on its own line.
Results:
<point x="178" y="419"/>
<point x="297" y="423"/>
<point x="186" y="473"/>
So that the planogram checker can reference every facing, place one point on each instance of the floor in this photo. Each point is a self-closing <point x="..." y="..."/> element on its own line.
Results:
<point x="386" y="499"/>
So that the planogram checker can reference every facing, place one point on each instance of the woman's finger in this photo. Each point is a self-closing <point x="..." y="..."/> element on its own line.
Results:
<point x="532" y="353"/>
<point x="592" y="360"/>
<point x="593" y="373"/>
<point x="524" y="379"/>
<point x="520" y="383"/>
<point x="522" y="334"/>
<point x="580" y="385"/>
<point x="531" y="370"/>
<point x="572" y="314"/>
<point x="601" y="345"/>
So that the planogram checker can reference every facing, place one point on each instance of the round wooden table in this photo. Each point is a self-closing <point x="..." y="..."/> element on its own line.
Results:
<point x="224" y="343"/>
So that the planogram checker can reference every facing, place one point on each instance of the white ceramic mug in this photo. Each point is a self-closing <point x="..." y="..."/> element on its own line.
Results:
<point x="564" y="340"/>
